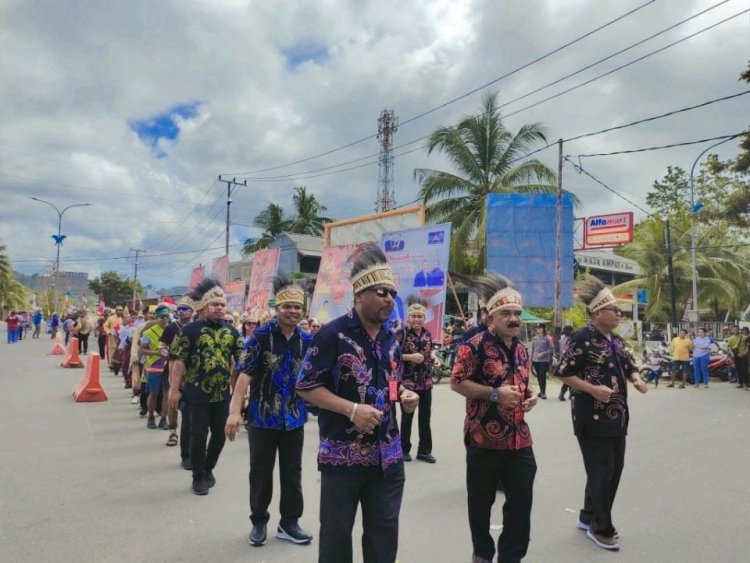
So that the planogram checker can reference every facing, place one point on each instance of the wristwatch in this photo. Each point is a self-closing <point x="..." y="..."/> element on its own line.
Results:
<point x="494" y="395"/>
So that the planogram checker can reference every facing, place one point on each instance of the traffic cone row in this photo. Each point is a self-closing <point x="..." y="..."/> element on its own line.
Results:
<point x="58" y="349"/>
<point x="89" y="388"/>
<point x="72" y="360"/>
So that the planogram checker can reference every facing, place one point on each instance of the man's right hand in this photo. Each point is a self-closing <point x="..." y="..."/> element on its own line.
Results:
<point x="233" y="425"/>
<point x="174" y="399"/>
<point x="509" y="396"/>
<point x="367" y="418"/>
<point x="601" y="393"/>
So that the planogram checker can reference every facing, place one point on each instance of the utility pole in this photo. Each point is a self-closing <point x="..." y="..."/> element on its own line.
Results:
<point x="135" y="275"/>
<point x="558" y="247"/>
<point x="670" y="274"/>
<point x="230" y="184"/>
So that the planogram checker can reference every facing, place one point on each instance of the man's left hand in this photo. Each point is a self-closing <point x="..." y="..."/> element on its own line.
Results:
<point x="409" y="400"/>
<point x="640" y="385"/>
<point x="530" y="402"/>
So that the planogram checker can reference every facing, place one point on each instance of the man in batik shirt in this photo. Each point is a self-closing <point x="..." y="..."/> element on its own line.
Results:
<point x="597" y="365"/>
<point x="202" y="373"/>
<point x="352" y="372"/>
<point x="492" y="371"/>
<point x="276" y="415"/>
<point x="416" y="350"/>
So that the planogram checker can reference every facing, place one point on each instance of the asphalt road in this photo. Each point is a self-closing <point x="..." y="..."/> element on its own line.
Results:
<point x="87" y="482"/>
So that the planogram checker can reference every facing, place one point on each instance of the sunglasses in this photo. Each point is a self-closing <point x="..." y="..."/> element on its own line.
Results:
<point x="383" y="292"/>
<point x="183" y="308"/>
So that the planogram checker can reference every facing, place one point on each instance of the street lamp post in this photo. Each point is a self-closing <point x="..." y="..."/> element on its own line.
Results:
<point x="58" y="239"/>
<point x="693" y="210"/>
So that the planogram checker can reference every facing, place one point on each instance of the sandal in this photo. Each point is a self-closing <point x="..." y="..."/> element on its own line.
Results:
<point x="173" y="439"/>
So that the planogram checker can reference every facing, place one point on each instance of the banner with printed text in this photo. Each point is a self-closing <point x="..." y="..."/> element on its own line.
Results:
<point x="219" y="269"/>
<point x="419" y="260"/>
<point x="265" y="265"/>
<point x="333" y="290"/>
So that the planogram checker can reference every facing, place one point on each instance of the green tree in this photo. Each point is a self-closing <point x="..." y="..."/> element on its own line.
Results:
<point x="488" y="158"/>
<point x="115" y="289"/>
<point x="12" y="293"/>
<point x="742" y="164"/>
<point x="273" y="223"/>
<point x="671" y="194"/>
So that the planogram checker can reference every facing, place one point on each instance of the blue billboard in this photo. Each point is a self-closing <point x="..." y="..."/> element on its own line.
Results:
<point x="521" y="235"/>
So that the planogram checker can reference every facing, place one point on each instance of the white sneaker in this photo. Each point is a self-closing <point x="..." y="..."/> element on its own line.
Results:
<point x="134" y="400"/>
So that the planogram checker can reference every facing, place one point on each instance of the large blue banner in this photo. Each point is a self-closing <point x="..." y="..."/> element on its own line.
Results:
<point x="521" y="234"/>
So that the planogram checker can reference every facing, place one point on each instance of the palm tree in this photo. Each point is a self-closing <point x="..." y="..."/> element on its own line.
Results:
<point x="12" y="292"/>
<point x="273" y="223"/>
<point x="721" y="272"/>
<point x="307" y="220"/>
<point x="488" y="159"/>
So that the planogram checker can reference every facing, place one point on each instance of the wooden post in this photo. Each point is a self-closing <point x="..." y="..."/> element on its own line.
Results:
<point x="455" y="296"/>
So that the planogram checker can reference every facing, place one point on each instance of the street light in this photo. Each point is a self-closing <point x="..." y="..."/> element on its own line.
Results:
<point x="58" y="239"/>
<point x="694" y="210"/>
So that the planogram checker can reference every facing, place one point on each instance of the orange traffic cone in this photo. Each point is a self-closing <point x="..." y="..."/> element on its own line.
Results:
<point x="89" y="389"/>
<point x="72" y="360"/>
<point x="58" y="349"/>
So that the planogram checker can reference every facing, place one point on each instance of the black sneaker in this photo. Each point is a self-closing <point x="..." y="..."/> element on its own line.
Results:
<point x="542" y="395"/>
<point x="142" y="413"/>
<point x="293" y="533"/>
<point x="163" y="424"/>
<point x="186" y="464"/>
<point x="210" y="479"/>
<point x="151" y="423"/>
<point x="258" y="535"/>
<point x="200" y="487"/>
<point x="407" y="457"/>
<point x="429" y="458"/>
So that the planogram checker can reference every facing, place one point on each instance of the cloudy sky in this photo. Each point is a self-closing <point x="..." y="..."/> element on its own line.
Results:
<point x="138" y="107"/>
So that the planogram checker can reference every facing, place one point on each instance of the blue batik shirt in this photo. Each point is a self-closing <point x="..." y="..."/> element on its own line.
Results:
<point x="345" y="360"/>
<point x="272" y="362"/>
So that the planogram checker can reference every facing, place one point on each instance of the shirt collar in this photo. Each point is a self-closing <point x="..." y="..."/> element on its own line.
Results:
<point x="353" y="321"/>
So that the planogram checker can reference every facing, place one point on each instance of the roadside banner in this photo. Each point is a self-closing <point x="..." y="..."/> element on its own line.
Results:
<point x="235" y="292"/>
<point x="219" y="269"/>
<point x="419" y="260"/>
<point x="333" y="290"/>
<point x="265" y="265"/>
<point x="195" y="276"/>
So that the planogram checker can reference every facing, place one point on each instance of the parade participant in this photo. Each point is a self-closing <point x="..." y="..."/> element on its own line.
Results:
<point x="542" y="348"/>
<point x="315" y="326"/>
<point x="682" y="346"/>
<point x="276" y="415"/>
<point x="155" y="361"/>
<point x="352" y="372"/>
<point x="184" y="317"/>
<point x="69" y="325"/>
<point x="304" y="324"/>
<point x="37" y="319"/>
<point x="416" y="351"/>
<point x="598" y="365"/>
<point x="101" y="336"/>
<point x="83" y="329"/>
<point x="109" y="330"/>
<point x="54" y="324"/>
<point x="137" y="375"/>
<point x="203" y="373"/>
<point x="492" y="371"/>
<point x="481" y="325"/>
<point x="701" y="354"/>
<point x="738" y="344"/>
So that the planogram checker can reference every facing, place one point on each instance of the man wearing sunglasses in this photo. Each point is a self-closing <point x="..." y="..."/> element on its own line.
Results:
<point x="597" y="365"/>
<point x="353" y="372"/>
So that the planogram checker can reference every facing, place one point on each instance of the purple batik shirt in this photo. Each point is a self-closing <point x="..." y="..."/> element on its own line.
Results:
<point x="344" y="359"/>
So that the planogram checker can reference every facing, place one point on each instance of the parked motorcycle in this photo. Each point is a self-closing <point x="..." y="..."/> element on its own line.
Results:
<point x="442" y="358"/>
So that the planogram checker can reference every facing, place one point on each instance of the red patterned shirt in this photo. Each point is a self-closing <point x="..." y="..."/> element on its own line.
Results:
<point x="486" y="360"/>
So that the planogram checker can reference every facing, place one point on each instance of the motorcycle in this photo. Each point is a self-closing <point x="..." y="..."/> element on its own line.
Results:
<point x="442" y="362"/>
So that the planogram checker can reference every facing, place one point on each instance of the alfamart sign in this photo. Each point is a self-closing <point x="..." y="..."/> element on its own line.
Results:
<point x="614" y="229"/>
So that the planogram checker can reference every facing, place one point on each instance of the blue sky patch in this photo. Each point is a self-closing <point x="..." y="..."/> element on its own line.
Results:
<point x="163" y="126"/>
<point x="303" y="52"/>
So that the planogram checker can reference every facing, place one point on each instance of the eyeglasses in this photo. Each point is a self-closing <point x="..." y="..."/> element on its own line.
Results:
<point x="183" y="309"/>
<point x="383" y="292"/>
<point x="613" y="309"/>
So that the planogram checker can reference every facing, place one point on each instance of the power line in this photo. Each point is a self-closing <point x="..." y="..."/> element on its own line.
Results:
<point x="453" y="100"/>
<point x="672" y="145"/>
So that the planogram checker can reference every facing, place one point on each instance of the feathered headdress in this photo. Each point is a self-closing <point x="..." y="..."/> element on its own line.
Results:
<point x="498" y="293"/>
<point x="206" y="291"/>
<point x="285" y="290"/>
<point x="594" y="294"/>
<point x="370" y="268"/>
<point x="416" y="305"/>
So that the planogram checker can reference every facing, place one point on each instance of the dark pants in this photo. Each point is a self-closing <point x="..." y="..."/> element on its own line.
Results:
<point x="341" y="492"/>
<point x="541" y="369"/>
<point x="101" y="340"/>
<point x="423" y="420"/>
<point x="185" y="431"/>
<point x="83" y="341"/>
<point x="565" y="388"/>
<point x="604" y="459"/>
<point x="516" y="469"/>
<point x="264" y="443"/>
<point x="205" y="417"/>
<point x="742" y="370"/>
<point x="37" y="329"/>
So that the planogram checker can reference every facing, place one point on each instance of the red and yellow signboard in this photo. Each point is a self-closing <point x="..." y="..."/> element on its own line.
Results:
<point x="614" y="229"/>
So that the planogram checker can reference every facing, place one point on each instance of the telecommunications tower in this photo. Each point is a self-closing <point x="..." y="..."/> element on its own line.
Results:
<point x="387" y="126"/>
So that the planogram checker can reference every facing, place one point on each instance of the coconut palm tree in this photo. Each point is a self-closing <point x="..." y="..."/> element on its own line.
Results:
<point x="273" y="223"/>
<point x="487" y="158"/>
<point x="12" y="292"/>
<point x="307" y="219"/>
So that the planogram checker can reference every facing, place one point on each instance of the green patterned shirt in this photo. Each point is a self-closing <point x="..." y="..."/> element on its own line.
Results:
<point x="209" y="351"/>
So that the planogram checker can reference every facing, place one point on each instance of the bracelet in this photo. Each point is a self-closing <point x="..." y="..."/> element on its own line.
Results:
<point x="354" y="411"/>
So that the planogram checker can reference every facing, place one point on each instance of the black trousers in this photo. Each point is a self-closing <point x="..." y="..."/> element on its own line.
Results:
<point x="541" y="369"/>
<point x="423" y="420"/>
<point x="83" y="340"/>
<point x="205" y="417"/>
<point x="604" y="459"/>
<point x="341" y="492"/>
<point x="516" y="469"/>
<point x="184" y="431"/>
<point x="264" y="443"/>
<point x="101" y="339"/>
<point x="743" y="378"/>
